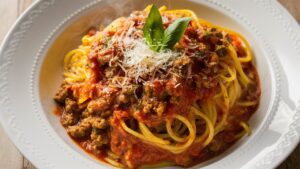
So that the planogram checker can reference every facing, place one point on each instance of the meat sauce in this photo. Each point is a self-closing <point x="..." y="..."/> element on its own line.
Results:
<point x="95" y="125"/>
<point x="140" y="153"/>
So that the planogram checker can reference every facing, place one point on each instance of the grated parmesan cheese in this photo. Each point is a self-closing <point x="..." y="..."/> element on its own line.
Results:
<point x="140" y="60"/>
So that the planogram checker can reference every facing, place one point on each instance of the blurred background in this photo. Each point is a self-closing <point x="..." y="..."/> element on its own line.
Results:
<point x="11" y="158"/>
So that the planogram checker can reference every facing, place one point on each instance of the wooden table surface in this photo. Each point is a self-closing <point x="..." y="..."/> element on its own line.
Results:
<point x="11" y="158"/>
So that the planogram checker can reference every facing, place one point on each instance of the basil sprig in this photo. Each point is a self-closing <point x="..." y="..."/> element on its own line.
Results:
<point x="157" y="37"/>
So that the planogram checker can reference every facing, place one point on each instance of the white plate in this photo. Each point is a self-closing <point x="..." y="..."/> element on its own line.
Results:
<point x="31" y="67"/>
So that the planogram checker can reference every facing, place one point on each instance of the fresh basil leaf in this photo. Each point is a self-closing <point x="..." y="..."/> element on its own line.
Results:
<point x="153" y="29"/>
<point x="175" y="31"/>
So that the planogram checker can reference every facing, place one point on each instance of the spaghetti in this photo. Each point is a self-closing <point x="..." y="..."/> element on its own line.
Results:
<point x="132" y="106"/>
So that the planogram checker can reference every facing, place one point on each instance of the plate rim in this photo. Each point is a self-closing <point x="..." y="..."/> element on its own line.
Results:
<point x="35" y="4"/>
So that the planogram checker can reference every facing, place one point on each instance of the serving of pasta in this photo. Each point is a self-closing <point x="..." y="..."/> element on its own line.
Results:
<point x="158" y="88"/>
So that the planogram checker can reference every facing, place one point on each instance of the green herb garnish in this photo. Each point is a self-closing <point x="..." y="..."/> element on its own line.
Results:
<point x="157" y="37"/>
<point x="153" y="29"/>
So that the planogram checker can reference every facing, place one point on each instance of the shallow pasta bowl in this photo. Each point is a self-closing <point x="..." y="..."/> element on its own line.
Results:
<point x="31" y="60"/>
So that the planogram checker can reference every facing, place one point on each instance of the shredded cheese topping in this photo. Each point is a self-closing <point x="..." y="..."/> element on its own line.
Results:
<point x="140" y="60"/>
